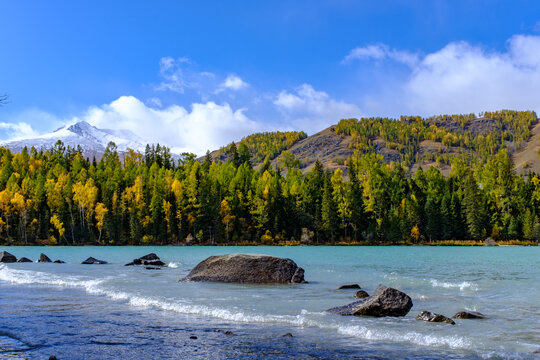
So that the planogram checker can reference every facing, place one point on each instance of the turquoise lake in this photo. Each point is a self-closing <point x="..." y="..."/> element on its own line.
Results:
<point x="113" y="312"/>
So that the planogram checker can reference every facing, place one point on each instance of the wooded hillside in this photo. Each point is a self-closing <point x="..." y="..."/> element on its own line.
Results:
<point x="58" y="197"/>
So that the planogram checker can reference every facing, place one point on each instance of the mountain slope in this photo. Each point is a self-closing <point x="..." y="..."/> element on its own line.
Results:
<point x="420" y="142"/>
<point x="528" y="159"/>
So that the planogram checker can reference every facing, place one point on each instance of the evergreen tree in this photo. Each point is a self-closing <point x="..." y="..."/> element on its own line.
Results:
<point x="330" y="221"/>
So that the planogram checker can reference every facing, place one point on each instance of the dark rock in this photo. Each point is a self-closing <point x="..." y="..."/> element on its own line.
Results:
<point x="44" y="258"/>
<point x="385" y="302"/>
<point x="432" y="317"/>
<point x="150" y="256"/>
<point x="226" y="332"/>
<point x="469" y="315"/>
<point x="6" y="257"/>
<point x="59" y="262"/>
<point x="247" y="268"/>
<point x="152" y="268"/>
<point x="52" y="357"/>
<point x="536" y="351"/>
<point x="361" y="294"/>
<point x="24" y="260"/>
<point x="154" y="263"/>
<point x="193" y="337"/>
<point x="92" y="261"/>
<point x="149" y="259"/>
<point x="490" y="242"/>
<point x="289" y="335"/>
<point x="351" y="286"/>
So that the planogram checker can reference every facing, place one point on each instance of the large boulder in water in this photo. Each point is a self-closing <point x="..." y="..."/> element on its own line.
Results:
<point x="147" y="260"/>
<point x="24" y="260"/>
<point x="247" y="268"/>
<point x="432" y="317"/>
<point x="44" y="258"/>
<point x="92" y="261"/>
<point x="386" y="301"/>
<point x="6" y="257"/>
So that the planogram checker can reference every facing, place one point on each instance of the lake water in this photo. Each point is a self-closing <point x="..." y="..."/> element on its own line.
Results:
<point x="111" y="311"/>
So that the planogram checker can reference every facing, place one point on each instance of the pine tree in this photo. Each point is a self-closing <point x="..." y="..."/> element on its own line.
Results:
<point x="330" y="221"/>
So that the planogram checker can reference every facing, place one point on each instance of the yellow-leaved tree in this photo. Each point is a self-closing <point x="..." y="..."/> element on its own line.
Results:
<point x="100" y="212"/>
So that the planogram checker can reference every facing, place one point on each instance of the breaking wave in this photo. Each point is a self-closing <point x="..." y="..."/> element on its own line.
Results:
<point x="303" y="319"/>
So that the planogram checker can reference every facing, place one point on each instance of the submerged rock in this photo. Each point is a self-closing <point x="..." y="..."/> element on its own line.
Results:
<point x="59" y="262"/>
<point x="44" y="258"/>
<point x="386" y="301"/>
<point x="288" y="335"/>
<point x="361" y="294"/>
<point x="432" y="317"/>
<point x="6" y="257"/>
<point x="247" y="268"/>
<point x="469" y="315"/>
<point x="226" y="332"/>
<point x="24" y="260"/>
<point x="351" y="286"/>
<point x="92" y="261"/>
<point x="149" y="259"/>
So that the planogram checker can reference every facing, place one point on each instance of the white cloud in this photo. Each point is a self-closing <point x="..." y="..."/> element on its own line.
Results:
<point x="206" y="126"/>
<point x="465" y="78"/>
<point x="459" y="78"/>
<point x="155" y="101"/>
<point x="232" y="82"/>
<point x="536" y="26"/>
<point x="27" y="124"/>
<point x="311" y="110"/>
<point x="179" y="75"/>
<point x="173" y="75"/>
<point x="382" y="52"/>
<point x="17" y="131"/>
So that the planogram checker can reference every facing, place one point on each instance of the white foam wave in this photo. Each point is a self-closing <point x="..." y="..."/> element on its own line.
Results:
<point x="173" y="265"/>
<point x="304" y="319"/>
<point x="461" y="286"/>
<point x="364" y="332"/>
<point x="40" y="278"/>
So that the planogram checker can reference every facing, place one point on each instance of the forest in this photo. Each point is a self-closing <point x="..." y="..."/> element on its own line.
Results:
<point x="57" y="197"/>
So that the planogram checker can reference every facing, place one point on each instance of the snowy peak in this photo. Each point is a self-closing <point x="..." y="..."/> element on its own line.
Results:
<point x="82" y="128"/>
<point x="92" y="140"/>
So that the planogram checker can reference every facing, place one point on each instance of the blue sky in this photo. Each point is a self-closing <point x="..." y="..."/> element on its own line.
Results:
<point x="197" y="75"/>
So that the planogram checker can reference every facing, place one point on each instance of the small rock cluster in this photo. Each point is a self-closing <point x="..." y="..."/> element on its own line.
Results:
<point x="150" y="261"/>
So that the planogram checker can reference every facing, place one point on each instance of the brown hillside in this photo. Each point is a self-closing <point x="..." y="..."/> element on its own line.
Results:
<point x="326" y="146"/>
<point x="333" y="148"/>
<point x="528" y="159"/>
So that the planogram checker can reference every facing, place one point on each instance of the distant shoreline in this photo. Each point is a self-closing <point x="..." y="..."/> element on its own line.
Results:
<point x="464" y="243"/>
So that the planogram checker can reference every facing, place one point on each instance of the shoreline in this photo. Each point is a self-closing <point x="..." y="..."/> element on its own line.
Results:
<point x="456" y="243"/>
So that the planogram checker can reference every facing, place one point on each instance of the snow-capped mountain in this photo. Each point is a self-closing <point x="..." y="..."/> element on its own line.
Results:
<point x="92" y="140"/>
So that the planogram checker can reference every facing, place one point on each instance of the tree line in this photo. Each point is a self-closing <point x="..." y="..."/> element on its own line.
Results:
<point x="59" y="197"/>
